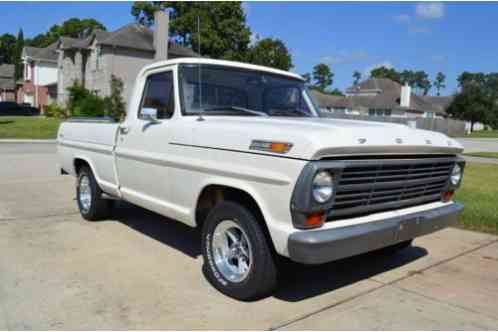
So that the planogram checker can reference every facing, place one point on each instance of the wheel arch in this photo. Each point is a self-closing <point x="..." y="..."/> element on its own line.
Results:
<point x="215" y="192"/>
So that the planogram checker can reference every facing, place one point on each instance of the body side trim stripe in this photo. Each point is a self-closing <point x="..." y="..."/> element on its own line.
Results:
<point x="105" y="149"/>
<point x="202" y="169"/>
<point x="234" y="150"/>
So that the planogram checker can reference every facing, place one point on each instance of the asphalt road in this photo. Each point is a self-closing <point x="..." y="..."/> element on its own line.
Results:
<point x="142" y="271"/>
<point x="479" y="144"/>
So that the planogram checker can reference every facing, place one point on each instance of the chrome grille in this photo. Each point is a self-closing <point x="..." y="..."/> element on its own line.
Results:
<point x="381" y="185"/>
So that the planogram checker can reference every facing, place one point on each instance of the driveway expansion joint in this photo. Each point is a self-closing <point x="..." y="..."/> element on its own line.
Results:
<point x="390" y="283"/>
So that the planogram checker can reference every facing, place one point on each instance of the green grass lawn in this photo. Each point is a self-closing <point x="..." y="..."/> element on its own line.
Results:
<point x="484" y="134"/>
<point x="28" y="127"/>
<point x="479" y="194"/>
<point x="483" y="154"/>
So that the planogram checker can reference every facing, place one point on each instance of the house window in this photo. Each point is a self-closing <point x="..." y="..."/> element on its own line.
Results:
<point x="98" y="55"/>
<point x="380" y="112"/>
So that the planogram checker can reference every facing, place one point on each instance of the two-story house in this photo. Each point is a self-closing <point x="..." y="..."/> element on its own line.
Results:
<point x="92" y="61"/>
<point x="39" y="77"/>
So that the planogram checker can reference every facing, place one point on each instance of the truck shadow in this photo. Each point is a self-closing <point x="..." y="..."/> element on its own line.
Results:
<point x="297" y="281"/>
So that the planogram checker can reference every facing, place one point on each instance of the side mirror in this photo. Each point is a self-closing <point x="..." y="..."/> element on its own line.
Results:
<point x="149" y="114"/>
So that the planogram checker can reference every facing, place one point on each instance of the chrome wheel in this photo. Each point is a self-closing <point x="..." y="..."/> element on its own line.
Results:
<point x="232" y="251"/>
<point x="85" y="193"/>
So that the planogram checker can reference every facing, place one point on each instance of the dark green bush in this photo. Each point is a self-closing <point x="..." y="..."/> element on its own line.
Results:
<point x="84" y="103"/>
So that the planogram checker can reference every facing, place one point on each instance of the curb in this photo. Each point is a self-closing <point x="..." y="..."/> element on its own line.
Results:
<point x="30" y="141"/>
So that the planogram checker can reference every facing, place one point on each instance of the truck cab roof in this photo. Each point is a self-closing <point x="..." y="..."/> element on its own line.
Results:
<point x="207" y="61"/>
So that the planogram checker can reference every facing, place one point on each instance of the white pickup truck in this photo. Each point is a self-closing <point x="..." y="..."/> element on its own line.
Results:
<point x="240" y="151"/>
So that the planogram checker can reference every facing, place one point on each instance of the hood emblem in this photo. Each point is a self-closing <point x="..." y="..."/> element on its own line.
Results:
<point x="362" y="140"/>
<point x="428" y="141"/>
<point x="399" y="140"/>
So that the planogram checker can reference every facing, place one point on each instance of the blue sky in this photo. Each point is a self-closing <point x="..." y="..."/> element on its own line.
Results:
<point x="430" y="36"/>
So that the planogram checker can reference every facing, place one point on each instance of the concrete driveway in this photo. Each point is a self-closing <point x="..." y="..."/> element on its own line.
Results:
<point x="141" y="271"/>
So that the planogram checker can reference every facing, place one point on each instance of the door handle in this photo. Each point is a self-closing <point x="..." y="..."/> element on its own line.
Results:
<point x="123" y="130"/>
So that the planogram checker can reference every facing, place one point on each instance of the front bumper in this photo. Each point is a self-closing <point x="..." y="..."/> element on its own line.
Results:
<point x="321" y="246"/>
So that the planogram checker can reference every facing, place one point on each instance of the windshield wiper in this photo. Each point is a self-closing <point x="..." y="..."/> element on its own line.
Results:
<point x="289" y="112"/>
<point x="235" y="108"/>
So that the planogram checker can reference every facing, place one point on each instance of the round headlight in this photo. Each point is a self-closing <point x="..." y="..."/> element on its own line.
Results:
<point x="456" y="175"/>
<point x="323" y="187"/>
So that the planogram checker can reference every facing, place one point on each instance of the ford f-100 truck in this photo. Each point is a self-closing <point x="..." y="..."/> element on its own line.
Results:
<point x="241" y="152"/>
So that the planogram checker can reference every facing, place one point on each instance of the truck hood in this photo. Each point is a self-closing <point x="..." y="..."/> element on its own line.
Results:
<point x="317" y="138"/>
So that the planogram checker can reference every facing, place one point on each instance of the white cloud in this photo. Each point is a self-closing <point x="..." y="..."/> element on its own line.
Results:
<point x="402" y="18"/>
<point x="386" y="63"/>
<point x="345" y="57"/>
<point x="430" y="10"/>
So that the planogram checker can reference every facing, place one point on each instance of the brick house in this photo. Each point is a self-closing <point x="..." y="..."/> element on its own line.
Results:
<point x="39" y="77"/>
<point x="92" y="61"/>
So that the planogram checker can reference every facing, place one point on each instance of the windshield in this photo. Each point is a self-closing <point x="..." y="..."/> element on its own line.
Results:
<point x="236" y="91"/>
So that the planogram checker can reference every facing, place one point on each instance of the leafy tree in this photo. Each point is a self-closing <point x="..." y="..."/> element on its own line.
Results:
<point x="356" y="77"/>
<point x="407" y="77"/>
<point x="323" y="76"/>
<point x="74" y="27"/>
<point x="114" y="104"/>
<point x="477" y="100"/>
<point x="307" y="78"/>
<point x="336" y="92"/>
<point x="224" y="32"/>
<point x="422" y="82"/>
<point x="472" y="104"/>
<point x="439" y="82"/>
<point x="7" y="47"/>
<point x="384" y="72"/>
<point x="19" y="67"/>
<point x="270" y="52"/>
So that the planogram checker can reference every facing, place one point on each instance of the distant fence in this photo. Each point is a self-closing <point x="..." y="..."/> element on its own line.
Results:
<point x="446" y="126"/>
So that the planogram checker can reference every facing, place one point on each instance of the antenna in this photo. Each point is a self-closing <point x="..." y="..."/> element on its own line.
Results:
<point x="199" y="68"/>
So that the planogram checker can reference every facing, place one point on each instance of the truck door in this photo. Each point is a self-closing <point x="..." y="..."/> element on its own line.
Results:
<point x="142" y="144"/>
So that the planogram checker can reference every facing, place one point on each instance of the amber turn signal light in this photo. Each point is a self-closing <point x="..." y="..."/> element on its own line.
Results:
<point x="447" y="196"/>
<point x="279" y="147"/>
<point x="315" y="220"/>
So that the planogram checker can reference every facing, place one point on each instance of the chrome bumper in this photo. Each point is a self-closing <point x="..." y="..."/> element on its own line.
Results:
<point x="321" y="246"/>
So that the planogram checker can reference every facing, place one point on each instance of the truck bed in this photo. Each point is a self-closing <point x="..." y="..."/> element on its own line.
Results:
<point x="91" y="140"/>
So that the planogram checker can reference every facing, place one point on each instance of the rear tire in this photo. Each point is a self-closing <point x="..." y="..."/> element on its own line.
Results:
<point x="245" y="272"/>
<point x="89" y="196"/>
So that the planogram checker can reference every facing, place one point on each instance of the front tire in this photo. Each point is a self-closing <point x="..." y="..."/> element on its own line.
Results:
<point x="89" y="196"/>
<point x="237" y="258"/>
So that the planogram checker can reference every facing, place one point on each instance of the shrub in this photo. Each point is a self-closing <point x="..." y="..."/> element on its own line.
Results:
<point x="114" y="104"/>
<point x="84" y="103"/>
<point x="55" y="111"/>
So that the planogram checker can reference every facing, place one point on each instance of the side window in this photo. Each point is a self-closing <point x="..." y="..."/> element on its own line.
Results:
<point x="159" y="95"/>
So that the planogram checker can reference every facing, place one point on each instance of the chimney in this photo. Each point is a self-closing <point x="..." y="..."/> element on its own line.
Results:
<point x="406" y="92"/>
<point x="161" y="35"/>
